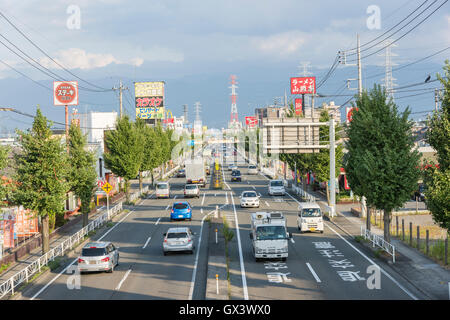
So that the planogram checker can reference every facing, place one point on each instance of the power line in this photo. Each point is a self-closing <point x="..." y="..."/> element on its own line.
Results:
<point x="31" y="116"/>
<point x="409" y="31"/>
<point x="365" y="44"/>
<point x="409" y="64"/>
<point x="45" y="53"/>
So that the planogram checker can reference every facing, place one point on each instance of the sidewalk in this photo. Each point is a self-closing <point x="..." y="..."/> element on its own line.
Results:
<point x="423" y="273"/>
<point x="56" y="239"/>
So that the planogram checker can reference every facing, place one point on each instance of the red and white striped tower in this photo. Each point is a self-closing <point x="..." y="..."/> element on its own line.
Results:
<point x="234" y="114"/>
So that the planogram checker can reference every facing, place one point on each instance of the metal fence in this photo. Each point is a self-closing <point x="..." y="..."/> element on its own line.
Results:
<point x="24" y="275"/>
<point x="302" y="193"/>
<point x="378" y="241"/>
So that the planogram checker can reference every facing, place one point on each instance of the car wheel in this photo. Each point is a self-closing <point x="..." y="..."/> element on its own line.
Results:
<point x="191" y="252"/>
<point x="283" y="259"/>
<point x="111" y="270"/>
<point x="321" y="231"/>
<point x="165" y="253"/>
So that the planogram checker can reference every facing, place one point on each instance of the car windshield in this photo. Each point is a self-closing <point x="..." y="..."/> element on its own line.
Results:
<point x="276" y="183"/>
<point x="252" y="167"/>
<point x="311" y="212"/>
<point x="191" y="186"/>
<point x="93" y="252"/>
<point x="162" y="186"/>
<point x="249" y="195"/>
<point x="180" y="206"/>
<point x="270" y="233"/>
<point x="236" y="173"/>
<point x="177" y="235"/>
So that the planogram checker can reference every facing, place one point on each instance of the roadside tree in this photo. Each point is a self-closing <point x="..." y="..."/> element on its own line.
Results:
<point x="82" y="176"/>
<point x="42" y="168"/>
<point x="381" y="163"/>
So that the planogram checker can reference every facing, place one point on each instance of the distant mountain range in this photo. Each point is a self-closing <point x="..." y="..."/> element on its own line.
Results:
<point x="257" y="87"/>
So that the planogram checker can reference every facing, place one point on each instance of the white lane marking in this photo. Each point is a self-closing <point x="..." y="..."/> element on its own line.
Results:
<point x="313" y="273"/>
<point x="368" y="259"/>
<point x="167" y="208"/>
<point x="194" y="272"/>
<point x="175" y="197"/>
<point x="203" y="199"/>
<point x="123" y="280"/>
<point x="253" y="187"/>
<point x="260" y="194"/>
<point x="226" y="197"/>
<point x="292" y="240"/>
<point x="65" y="269"/>
<point x="157" y="221"/>
<point x="146" y="243"/>
<point x="248" y="182"/>
<point x="241" y="259"/>
<point x="267" y="204"/>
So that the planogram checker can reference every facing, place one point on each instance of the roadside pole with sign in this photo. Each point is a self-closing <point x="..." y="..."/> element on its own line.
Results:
<point x="65" y="93"/>
<point x="107" y="188"/>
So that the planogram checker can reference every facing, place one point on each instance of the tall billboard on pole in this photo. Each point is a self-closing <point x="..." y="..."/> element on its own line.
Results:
<point x="303" y="85"/>
<point x="65" y="93"/>
<point x="149" y="100"/>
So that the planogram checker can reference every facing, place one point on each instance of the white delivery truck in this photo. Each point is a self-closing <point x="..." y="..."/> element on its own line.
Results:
<point x="309" y="217"/>
<point x="269" y="236"/>
<point x="195" y="171"/>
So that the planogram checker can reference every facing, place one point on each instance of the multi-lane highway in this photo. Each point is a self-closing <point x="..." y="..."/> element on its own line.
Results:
<point x="319" y="266"/>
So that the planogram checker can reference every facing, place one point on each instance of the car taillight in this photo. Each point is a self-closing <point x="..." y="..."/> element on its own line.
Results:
<point x="80" y="260"/>
<point x="165" y="240"/>
<point x="189" y="240"/>
<point x="105" y="259"/>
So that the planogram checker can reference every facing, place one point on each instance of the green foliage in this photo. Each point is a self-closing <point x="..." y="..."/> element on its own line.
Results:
<point x="437" y="181"/>
<point x="321" y="162"/>
<point x="82" y="177"/>
<point x="381" y="163"/>
<point x="126" y="150"/>
<point x="41" y="170"/>
<point x="4" y="162"/>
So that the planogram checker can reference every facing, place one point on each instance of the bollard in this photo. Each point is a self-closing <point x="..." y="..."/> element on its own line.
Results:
<point x="418" y="237"/>
<point x="216" y="214"/>
<point x="216" y="235"/>
<point x="396" y="224"/>
<point x="217" y="284"/>
<point x="403" y="229"/>
<point x="410" y="234"/>
<point x="427" y="242"/>
<point x="446" y="250"/>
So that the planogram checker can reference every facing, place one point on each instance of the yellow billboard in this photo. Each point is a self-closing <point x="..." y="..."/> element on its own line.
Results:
<point x="149" y="100"/>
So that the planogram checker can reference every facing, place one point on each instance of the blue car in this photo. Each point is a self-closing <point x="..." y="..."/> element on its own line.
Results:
<point x="181" y="210"/>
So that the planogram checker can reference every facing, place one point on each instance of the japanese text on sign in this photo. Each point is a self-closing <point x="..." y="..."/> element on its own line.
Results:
<point x="303" y="85"/>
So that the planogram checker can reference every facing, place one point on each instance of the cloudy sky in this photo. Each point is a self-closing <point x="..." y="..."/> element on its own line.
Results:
<point x="194" y="45"/>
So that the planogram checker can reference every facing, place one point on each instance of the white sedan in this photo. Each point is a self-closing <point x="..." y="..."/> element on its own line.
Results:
<point x="249" y="199"/>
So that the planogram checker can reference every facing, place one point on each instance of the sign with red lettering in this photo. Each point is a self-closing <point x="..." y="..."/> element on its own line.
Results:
<point x="350" y="114"/>
<point x="298" y="106"/>
<point x="303" y="85"/>
<point x="251" y="121"/>
<point x="65" y="93"/>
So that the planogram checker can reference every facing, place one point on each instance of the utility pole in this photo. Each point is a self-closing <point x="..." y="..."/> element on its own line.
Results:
<point x="363" y="198"/>
<point x="120" y="88"/>
<point x="436" y="95"/>
<point x="359" y="67"/>
<point x="332" y="168"/>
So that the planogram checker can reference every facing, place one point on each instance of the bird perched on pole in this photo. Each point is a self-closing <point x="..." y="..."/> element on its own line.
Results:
<point x="427" y="79"/>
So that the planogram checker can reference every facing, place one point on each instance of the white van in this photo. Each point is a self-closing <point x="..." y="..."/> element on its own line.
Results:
<point x="162" y="190"/>
<point x="309" y="217"/>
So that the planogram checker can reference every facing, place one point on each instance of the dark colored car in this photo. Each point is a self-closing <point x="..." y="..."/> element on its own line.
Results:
<point x="236" y="175"/>
<point x="181" y="173"/>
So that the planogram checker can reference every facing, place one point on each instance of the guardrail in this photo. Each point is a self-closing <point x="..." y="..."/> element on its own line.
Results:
<point x="302" y="193"/>
<point x="24" y="275"/>
<point x="378" y="241"/>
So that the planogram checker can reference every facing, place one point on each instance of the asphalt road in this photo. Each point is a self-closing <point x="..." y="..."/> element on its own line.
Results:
<point x="144" y="272"/>
<point x="320" y="266"/>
